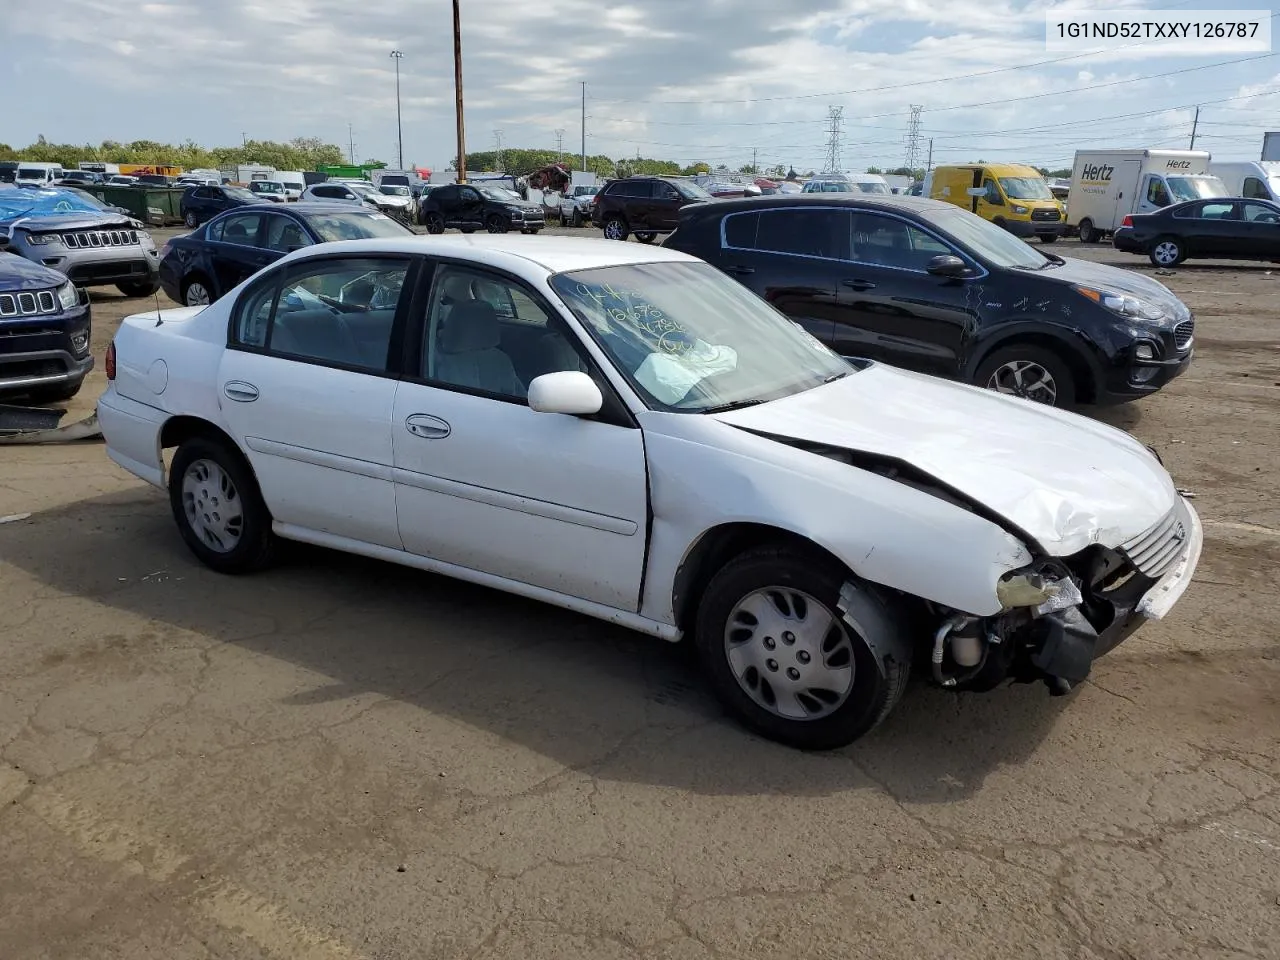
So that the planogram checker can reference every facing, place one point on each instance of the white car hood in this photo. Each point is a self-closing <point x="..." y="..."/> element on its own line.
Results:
<point x="1065" y="480"/>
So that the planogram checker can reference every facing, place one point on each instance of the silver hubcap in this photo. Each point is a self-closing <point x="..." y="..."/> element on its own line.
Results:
<point x="197" y="295"/>
<point x="1023" y="378"/>
<point x="613" y="230"/>
<point x="212" y="505"/>
<point x="790" y="654"/>
<point x="1166" y="252"/>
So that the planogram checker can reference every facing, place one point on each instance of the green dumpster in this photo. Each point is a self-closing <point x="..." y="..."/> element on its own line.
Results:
<point x="159" y="206"/>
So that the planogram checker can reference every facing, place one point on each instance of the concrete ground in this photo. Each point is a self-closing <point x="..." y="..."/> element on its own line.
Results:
<point x="342" y="759"/>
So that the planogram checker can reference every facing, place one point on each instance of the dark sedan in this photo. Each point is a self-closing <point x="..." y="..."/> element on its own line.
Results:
<point x="203" y="265"/>
<point x="200" y="204"/>
<point x="1224" y="228"/>
<point x="928" y="286"/>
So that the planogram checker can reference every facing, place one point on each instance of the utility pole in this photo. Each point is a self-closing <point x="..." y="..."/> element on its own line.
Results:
<point x="929" y="166"/>
<point x="755" y="170"/>
<point x="559" y="145"/>
<point x="244" y="139"/>
<point x="497" y="141"/>
<point x="584" y="126"/>
<point x="1195" y="123"/>
<point x="351" y="145"/>
<point x="913" y="137"/>
<point x="457" y="88"/>
<point x="397" y="56"/>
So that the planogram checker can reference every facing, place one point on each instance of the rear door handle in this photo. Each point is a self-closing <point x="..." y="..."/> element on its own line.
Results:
<point x="240" y="391"/>
<point x="859" y="284"/>
<point x="739" y="270"/>
<point x="426" y="426"/>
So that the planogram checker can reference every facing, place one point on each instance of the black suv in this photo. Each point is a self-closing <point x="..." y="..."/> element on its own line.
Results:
<point x="926" y="285"/>
<point x="646" y="206"/>
<point x="44" y="332"/>
<point x="472" y="206"/>
<point x="199" y="204"/>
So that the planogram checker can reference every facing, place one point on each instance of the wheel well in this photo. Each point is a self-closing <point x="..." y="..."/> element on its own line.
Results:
<point x="717" y="547"/>
<point x="192" y="276"/>
<point x="178" y="430"/>
<point x="1070" y="355"/>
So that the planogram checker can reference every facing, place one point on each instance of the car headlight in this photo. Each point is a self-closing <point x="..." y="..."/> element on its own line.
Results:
<point x="143" y="236"/>
<point x="67" y="296"/>
<point x="1020" y="210"/>
<point x="518" y="211"/>
<point x="40" y="239"/>
<point x="1123" y="305"/>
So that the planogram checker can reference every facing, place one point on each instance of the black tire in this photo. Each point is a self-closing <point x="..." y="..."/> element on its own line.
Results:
<point x="646" y="236"/>
<point x="434" y="223"/>
<point x="55" y="394"/>
<point x="1064" y="384"/>
<point x="1048" y="238"/>
<point x="257" y="544"/>
<point x="138" y="288"/>
<point x="497" y="224"/>
<point x="1087" y="232"/>
<point x="196" y="279"/>
<point x="1000" y="222"/>
<point x="1160" y="247"/>
<point x="874" y="692"/>
<point x="577" y="217"/>
<point x="190" y="219"/>
<point x="615" y="228"/>
<point x="532" y="231"/>
<point x="466" y="229"/>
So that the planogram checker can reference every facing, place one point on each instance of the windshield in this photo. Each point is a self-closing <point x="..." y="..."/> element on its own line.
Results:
<point x="1196" y="188"/>
<point x="874" y="187"/>
<point x="994" y="244"/>
<point x="266" y="186"/>
<point x="690" y="339"/>
<point x="43" y="203"/>
<point x="362" y="188"/>
<point x="239" y="193"/>
<point x="354" y="226"/>
<point x="395" y="191"/>
<point x="585" y="191"/>
<point x="690" y="190"/>
<point x="1026" y="188"/>
<point x="499" y="193"/>
<point x="30" y="173"/>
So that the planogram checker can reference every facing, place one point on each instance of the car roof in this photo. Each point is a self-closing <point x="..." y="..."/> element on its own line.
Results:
<point x="895" y="202"/>
<point x="552" y="254"/>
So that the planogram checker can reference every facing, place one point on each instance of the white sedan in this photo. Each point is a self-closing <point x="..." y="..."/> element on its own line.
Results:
<point x="625" y="432"/>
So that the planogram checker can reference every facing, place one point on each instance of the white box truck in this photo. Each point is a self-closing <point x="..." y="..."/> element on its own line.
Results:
<point x="1108" y="185"/>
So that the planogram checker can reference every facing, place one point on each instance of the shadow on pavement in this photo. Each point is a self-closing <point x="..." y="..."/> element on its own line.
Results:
<point x="590" y="696"/>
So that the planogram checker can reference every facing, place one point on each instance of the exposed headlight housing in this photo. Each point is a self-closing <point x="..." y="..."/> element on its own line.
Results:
<point x="1122" y="304"/>
<point x="1024" y="588"/>
<point x="40" y="239"/>
<point x="67" y="295"/>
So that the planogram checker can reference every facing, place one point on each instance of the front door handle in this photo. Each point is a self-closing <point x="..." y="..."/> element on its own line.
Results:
<point x="240" y="391"/>
<point x="426" y="426"/>
<point x="739" y="270"/>
<point x="857" y="284"/>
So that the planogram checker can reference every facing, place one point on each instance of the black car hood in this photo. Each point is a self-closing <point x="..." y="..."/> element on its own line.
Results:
<point x="18" y="273"/>
<point x="72" y="221"/>
<point x="1099" y="276"/>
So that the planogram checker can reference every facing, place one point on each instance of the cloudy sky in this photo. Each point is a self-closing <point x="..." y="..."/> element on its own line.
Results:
<point x="715" y="80"/>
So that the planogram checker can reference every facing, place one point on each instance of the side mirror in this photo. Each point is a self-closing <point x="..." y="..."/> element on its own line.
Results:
<point x="570" y="392"/>
<point x="947" y="266"/>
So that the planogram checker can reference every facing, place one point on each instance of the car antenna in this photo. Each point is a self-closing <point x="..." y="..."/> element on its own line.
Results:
<point x="159" y="319"/>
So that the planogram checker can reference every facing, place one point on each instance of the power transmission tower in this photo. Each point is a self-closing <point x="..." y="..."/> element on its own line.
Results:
<point x="834" y="117"/>
<point x="913" y="138"/>
<point x="497" y="140"/>
<point x="559" y="145"/>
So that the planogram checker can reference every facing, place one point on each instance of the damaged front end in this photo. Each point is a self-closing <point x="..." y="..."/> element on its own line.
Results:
<point x="1059" y="615"/>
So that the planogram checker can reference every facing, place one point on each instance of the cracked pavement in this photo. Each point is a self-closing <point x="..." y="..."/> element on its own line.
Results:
<point x="342" y="759"/>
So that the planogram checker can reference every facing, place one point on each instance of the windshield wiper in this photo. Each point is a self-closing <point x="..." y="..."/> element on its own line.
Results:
<point x="836" y="376"/>
<point x="734" y="405"/>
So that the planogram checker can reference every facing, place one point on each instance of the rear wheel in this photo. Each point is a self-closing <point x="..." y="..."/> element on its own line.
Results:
<point x="1088" y="234"/>
<point x="784" y="660"/>
<point x="1168" y="252"/>
<point x="218" y="507"/>
<point x="497" y="224"/>
<point x="138" y="288"/>
<point x="577" y="217"/>
<point x="195" y="291"/>
<point x="615" y="228"/>
<point x="1028" y="371"/>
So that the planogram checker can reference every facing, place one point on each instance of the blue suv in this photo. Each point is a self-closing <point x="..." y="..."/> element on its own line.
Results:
<point x="44" y="332"/>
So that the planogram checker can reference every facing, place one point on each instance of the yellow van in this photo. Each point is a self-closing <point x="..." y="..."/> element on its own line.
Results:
<point x="1010" y="195"/>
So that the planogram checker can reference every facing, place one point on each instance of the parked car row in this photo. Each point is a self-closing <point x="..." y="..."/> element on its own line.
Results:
<point x="1229" y="228"/>
<point x="628" y="432"/>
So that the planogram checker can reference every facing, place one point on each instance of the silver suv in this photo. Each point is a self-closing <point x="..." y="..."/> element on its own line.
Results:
<point x="80" y="237"/>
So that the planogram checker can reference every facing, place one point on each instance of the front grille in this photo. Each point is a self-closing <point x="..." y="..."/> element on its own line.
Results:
<point x="28" y="304"/>
<point x="1183" y="333"/>
<point x="1045" y="215"/>
<point x="1158" y="549"/>
<point x="85" y="239"/>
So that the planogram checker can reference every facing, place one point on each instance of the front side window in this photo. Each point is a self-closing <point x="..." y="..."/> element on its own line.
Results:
<point x="469" y="195"/>
<point x="241" y="230"/>
<point x="691" y="340"/>
<point x="984" y="240"/>
<point x="1214" y="211"/>
<point x="238" y="193"/>
<point x="890" y="242"/>
<point x="1158" y="193"/>
<point x="691" y="191"/>
<point x="1255" y="189"/>
<point x="1260" y="213"/>
<point x="993" y="193"/>
<point x="285" y="234"/>
<point x="488" y="334"/>
<point x="337" y="312"/>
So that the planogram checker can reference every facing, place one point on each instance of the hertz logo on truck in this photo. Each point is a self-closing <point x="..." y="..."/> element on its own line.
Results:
<point x="1096" y="173"/>
<point x="1178" y="165"/>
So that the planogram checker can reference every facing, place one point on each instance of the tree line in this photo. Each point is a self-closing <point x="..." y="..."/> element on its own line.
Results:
<point x="300" y="153"/>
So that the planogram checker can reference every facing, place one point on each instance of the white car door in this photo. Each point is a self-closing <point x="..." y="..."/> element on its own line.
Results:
<point x="307" y="389"/>
<point x="484" y="482"/>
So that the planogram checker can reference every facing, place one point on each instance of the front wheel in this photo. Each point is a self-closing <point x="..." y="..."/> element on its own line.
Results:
<point x="497" y="224"/>
<point x="783" y="659"/>
<point x="1087" y="232"/>
<point x="1048" y="238"/>
<point x="1168" y="252"/>
<point x="434" y="223"/>
<point x="189" y="218"/>
<point x="218" y="507"/>
<point x="645" y="236"/>
<point x="1030" y="372"/>
<point x="138" y="288"/>
<point x="531" y="231"/>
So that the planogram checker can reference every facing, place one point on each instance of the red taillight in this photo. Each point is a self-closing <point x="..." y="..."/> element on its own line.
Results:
<point x="111" y="360"/>
<point x="1127" y="221"/>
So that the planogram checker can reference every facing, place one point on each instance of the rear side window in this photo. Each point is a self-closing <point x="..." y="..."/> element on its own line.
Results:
<point x="740" y="230"/>
<point x="820" y="233"/>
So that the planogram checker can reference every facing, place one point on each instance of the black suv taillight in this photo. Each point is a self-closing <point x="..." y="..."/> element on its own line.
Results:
<point x="111" y="360"/>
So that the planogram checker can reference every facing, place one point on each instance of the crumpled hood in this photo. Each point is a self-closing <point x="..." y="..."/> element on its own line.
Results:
<point x="1064" y="479"/>
<point x="18" y="273"/>
<point x="1113" y="279"/>
<point x="72" y="221"/>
